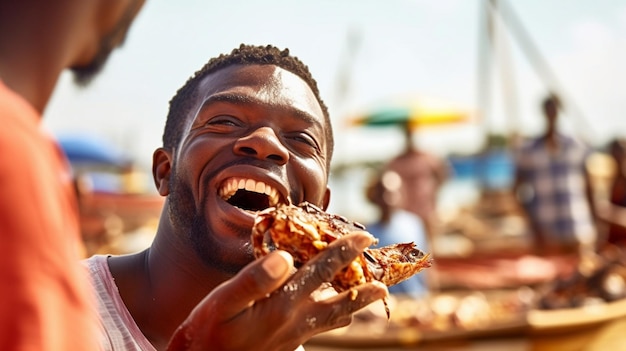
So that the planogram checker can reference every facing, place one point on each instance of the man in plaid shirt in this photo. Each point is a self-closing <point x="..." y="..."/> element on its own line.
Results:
<point x="553" y="184"/>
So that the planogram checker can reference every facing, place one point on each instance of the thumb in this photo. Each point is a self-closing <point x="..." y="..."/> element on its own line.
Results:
<point x="254" y="282"/>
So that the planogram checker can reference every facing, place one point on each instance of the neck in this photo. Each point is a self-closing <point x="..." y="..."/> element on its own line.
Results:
<point x="34" y="85"/>
<point x="162" y="285"/>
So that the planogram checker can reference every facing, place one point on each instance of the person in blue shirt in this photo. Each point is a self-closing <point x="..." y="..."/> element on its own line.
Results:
<point x="395" y="225"/>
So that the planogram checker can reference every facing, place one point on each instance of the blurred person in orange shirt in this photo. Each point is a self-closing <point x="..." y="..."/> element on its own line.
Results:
<point x="422" y="176"/>
<point x="45" y="297"/>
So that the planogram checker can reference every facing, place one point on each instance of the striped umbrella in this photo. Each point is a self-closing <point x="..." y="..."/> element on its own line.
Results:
<point x="416" y="112"/>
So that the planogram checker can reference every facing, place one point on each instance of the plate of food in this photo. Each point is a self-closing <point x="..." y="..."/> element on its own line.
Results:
<point x="571" y="319"/>
<point x="594" y="294"/>
<point x="459" y="315"/>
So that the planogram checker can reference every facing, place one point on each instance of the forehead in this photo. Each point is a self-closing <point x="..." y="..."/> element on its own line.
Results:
<point x="267" y="84"/>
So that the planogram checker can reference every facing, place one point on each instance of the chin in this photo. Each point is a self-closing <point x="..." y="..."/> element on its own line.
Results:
<point x="84" y="75"/>
<point x="228" y="253"/>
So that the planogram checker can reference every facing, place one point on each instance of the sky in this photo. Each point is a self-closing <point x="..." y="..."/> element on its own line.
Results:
<point x="421" y="48"/>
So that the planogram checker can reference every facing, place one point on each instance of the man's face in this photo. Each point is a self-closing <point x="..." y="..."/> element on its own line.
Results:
<point x="84" y="74"/>
<point x="257" y="139"/>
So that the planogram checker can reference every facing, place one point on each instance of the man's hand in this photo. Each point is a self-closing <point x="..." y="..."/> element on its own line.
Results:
<point x="265" y="307"/>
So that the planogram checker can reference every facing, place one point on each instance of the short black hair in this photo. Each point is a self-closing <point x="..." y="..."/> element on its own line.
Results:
<point x="551" y="101"/>
<point x="182" y="103"/>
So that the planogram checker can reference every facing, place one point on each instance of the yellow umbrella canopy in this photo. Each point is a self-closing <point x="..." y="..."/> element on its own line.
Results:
<point x="414" y="112"/>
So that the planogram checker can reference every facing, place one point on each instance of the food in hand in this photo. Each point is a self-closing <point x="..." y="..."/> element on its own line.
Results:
<point x="305" y="230"/>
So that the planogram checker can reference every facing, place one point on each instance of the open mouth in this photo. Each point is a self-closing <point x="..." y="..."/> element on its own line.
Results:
<point x="249" y="194"/>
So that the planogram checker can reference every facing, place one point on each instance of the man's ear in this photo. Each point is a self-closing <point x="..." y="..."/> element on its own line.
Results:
<point x="161" y="170"/>
<point x="326" y="200"/>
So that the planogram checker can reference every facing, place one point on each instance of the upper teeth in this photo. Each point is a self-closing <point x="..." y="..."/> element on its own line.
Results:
<point x="230" y="187"/>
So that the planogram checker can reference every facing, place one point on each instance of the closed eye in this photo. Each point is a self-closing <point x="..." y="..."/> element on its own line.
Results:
<point x="305" y="139"/>
<point x="224" y="120"/>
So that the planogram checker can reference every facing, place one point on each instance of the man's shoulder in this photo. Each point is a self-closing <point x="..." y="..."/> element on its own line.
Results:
<point x="99" y="275"/>
<point x="95" y="262"/>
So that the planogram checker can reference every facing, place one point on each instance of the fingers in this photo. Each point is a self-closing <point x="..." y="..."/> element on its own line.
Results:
<point x="265" y="275"/>
<point x="323" y="267"/>
<point x="358" y="297"/>
<point x="336" y="310"/>
<point x="254" y="282"/>
<point x="265" y="291"/>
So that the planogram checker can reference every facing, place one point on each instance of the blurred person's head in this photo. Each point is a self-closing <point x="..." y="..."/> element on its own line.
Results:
<point x="617" y="149"/>
<point x="551" y="106"/>
<point x="120" y="16"/>
<point x="383" y="191"/>
<point x="39" y="39"/>
<point x="407" y="130"/>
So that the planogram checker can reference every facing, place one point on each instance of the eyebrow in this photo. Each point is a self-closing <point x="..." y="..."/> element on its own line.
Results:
<point x="226" y="97"/>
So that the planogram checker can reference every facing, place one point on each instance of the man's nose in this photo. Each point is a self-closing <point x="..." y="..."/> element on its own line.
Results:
<point x="262" y="143"/>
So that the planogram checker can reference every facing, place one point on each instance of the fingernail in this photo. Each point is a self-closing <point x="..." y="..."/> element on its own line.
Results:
<point x="366" y="240"/>
<point x="278" y="264"/>
<point x="382" y="286"/>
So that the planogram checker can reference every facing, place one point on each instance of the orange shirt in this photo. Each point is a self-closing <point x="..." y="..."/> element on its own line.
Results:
<point x="422" y="175"/>
<point x="45" y="295"/>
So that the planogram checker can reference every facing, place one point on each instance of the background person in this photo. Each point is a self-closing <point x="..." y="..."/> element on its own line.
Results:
<point x="554" y="187"/>
<point x="395" y="225"/>
<point x="45" y="299"/>
<point x="422" y="176"/>
<point x="613" y="212"/>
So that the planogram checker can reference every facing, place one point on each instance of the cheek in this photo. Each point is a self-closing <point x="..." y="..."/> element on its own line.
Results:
<point x="314" y="179"/>
<point x="196" y="154"/>
<point x="191" y="161"/>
